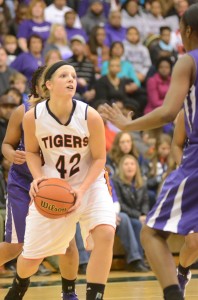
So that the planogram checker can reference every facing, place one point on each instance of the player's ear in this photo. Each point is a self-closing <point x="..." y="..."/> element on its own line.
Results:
<point x="48" y="84"/>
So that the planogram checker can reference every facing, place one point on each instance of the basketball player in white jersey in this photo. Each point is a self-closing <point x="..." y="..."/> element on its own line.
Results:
<point x="71" y="137"/>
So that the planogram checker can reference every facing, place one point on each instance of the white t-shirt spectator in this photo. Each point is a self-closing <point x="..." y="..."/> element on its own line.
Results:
<point x="56" y="16"/>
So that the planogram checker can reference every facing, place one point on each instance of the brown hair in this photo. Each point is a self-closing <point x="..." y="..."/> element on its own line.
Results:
<point x="32" y="4"/>
<point x="17" y="76"/>
<point x="116" y="154"/>
<point x="138" y="180"/>
<point x="9" y="38"/>
<point x="49" y="53"/>
<point x="162" y="138"/>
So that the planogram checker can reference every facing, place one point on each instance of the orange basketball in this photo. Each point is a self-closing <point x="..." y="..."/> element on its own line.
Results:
<point x="54" y="199"/>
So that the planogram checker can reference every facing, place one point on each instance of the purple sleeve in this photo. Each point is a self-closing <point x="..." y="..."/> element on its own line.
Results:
<point x="17" y="63"/>
<point x="23" y="30"/>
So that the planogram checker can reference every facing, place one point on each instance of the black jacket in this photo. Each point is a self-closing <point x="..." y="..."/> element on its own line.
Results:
<point x="134" y="202"/>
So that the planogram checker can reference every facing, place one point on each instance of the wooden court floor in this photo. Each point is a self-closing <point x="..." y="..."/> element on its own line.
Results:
<point x="121" y="286"/>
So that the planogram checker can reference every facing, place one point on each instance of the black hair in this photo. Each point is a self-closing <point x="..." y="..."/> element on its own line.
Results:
<point x="112" y="46"/>
<point x="162" y="28"/>
<point x="189" y="18"/>
<point x="34" y="81"/>
<point x="162" y="59"/>
<point x="17" y="92"/>
<point x="34" y="36"/>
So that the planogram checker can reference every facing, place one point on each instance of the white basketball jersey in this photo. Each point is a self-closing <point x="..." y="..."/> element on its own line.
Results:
<point x="65" y="148"/>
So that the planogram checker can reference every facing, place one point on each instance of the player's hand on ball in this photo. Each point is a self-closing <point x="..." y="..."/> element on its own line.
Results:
<point x="78" y="196"/>
<point x="34" y="186"/>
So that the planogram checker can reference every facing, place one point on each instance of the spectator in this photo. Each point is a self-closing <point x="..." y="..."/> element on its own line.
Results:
<point x="34" y="25"/>
<point x="114" y="30"/>
<point x="70" y="17"/>
<point x="97" y="50"/>
<point x="132" y="195"/>
<point x="133" y="16"/>
<point x="15" y="94"/>
<point x="110" y="87"/>
<point x="5" y="71"/>
<point x="123" y="144"/>
<point x="136" y="53"/>
<point x="173" y="16"/>
<point x="58" y="40"/>
<point x="19" y="81"/>
<point x="54" y="13"/>
<point x="5" y="15"/>
<point x="94" y="16"/>
<point x="7" y="105"/>
<point x="52" y="56"/>
<point x="10" y="44"/>
<point x="163" y="47"/>
<point x="27" y="62"/>
<point x="21" y="15"/>
<point x="155" y="19"/>
<point x="83" y="6"/>
<point x="126" y="68"/>
<point x="126" y="233"/>
<point x="84" y="69"/>
<point x="160" y="162"/>
<point x="158" y="85"/>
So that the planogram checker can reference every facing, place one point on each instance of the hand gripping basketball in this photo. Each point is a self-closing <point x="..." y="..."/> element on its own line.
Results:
<point x="54" y="198"/>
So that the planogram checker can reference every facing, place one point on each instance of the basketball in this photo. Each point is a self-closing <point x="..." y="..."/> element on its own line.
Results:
<point x="54" y="199"/>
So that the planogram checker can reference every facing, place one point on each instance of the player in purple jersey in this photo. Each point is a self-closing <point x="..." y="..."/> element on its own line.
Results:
<point x="19" y="180"/>
<point x="177" y="206"/>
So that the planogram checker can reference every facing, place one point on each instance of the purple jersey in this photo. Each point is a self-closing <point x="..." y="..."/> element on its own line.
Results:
<point x="177" y="207"/>
<point x="22" y="169"/>
<point x="191" y="106"/>
<point x="19" y="179"/>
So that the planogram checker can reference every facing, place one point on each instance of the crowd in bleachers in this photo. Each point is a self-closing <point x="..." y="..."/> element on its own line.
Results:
<point x="123" y="51"/>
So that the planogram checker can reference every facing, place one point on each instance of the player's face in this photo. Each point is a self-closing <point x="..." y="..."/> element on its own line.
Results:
<point x="129" y="168"/>
<point x="125" y="143"/>
<point x="64" y="81"/>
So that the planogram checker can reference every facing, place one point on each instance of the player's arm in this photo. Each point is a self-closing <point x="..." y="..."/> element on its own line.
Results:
<point x="31" y="145"/>
<point x="179" y="138"/>
<point x="183" y="77"/>
<point x="97" y="146"/>
<point x="13" y="136"/>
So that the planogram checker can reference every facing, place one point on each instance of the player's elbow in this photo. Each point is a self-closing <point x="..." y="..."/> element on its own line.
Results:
<point x="167" y="115"/>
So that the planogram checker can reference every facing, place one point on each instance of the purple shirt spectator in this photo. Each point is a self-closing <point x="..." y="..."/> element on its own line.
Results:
<point x="75" y="31"/>
<point x="26" y="64"/>
<point x="114" y="34"/>
<point x="28" y="27"/>
<point x="84" y="5"/>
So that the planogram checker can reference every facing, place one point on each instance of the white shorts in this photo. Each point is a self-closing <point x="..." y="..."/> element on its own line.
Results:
<point x="45" y="237"/>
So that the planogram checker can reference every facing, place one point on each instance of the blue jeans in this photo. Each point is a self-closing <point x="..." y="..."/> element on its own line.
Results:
<point x="83" y="254"/>
<point x="128" y="237"/>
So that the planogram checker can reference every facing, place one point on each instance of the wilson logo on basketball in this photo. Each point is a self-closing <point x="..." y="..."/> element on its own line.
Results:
<point x="52" y="207"/>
